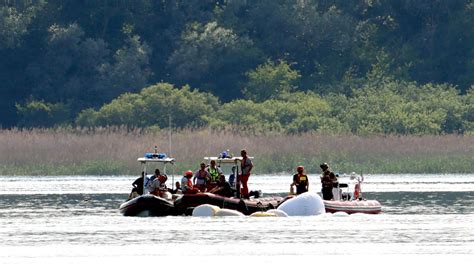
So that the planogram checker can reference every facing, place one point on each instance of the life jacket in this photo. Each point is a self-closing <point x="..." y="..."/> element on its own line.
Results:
<point x="326" y="181"/>
<point x="202" y="174"/>
<point x="214" y="174"/>
<point x="244" y="165"/>
<point x="301" y="178"/>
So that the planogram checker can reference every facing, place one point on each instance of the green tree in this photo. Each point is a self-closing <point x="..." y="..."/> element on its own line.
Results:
<point x="270" y="80"/>
<point x="14" y="23"/>
<point x="152" y="107"/>
<point x="67" y="72"/>
<point x="212" y="57"/>
<point x="128" y="72"/>
<point x="42" y="114"/>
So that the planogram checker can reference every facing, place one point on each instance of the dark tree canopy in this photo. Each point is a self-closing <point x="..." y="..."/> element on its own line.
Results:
<point x="64" y="60"/>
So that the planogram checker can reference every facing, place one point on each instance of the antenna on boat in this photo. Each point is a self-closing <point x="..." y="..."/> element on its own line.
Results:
<point x="169" y="140"/>
<point x="209" y="143"/>
<point x="169" y="133"/>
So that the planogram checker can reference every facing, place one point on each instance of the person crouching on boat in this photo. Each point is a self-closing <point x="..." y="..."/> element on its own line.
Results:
<point x="187" y="183"/>
<point x="150" y="180"/>
<point x="300" y="180"/>
<point x="326" y="182"/>
<point x="177" y="190"/>
<point x="214" y="172"/>
<point x="223" y="188"/>
<point x="201" y="177"/>
<point x="158" y="186"/>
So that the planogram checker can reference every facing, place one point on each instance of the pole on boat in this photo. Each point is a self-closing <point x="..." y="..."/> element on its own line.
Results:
<point x="169" y="140"/>
<point x="144" y="177"/>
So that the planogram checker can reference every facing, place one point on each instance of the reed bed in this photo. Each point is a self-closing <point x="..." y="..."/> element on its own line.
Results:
<point x="113" y="151"/>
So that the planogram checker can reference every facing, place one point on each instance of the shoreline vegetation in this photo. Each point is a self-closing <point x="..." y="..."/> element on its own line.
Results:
<point x="113" y="151"/>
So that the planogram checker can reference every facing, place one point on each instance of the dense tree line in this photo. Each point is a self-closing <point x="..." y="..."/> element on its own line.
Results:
<point x="364" y="66"/>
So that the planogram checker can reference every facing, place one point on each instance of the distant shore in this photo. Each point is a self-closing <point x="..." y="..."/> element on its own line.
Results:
<point x="115" y="151"/>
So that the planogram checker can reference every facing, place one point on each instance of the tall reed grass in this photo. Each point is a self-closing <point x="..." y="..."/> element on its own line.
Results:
<point x="114" y="151"/>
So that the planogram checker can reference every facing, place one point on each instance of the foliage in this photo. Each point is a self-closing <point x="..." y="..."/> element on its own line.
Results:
<point x="212" y="57"/>
<point x="152" y="107"/>
<point x="270" y="80"/>
<point x="14" y="23"/>
<point x="42" y="114"/>
<point x="393" y="59"/>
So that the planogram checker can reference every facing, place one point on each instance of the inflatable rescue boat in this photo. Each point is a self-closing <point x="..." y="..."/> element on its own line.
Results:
<point x="187" y="202"/>
<point x="352" y="207"/>
<point x="147" y="205"/>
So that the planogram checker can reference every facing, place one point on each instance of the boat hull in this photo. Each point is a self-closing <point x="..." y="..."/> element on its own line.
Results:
<point x="187" y="202"/>
<point x="147" y="205"/>
<point x="353" y="207"/>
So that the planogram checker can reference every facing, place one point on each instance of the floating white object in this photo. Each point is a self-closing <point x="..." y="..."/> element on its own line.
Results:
<point x="263" y="214"/>
<point x="205" y="210"/>
<point x="228" y="213"/>
<point x="340" y="214"/>
<point x="277" y="212"/>
<point x="306" y="204"/>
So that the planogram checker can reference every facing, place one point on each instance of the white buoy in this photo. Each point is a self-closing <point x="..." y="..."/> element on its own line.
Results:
<point x="340" y="214"/>
<point x="278" y="213"/>
<point x="228" y="213"/>
<point x="306" y="204"/>
<point x="205" y="210"/>
<point x="262" y="214"/>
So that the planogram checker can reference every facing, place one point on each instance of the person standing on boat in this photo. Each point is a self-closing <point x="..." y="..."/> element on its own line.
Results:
<point x="246" y="166"/>
<point x="300" y="180"/>
<point x="336" y="191"/>
<point x="232" y="177"/>
<point x="201" y="177"/>
<point x="215" y="172"/>
<point x="326" y="182"/>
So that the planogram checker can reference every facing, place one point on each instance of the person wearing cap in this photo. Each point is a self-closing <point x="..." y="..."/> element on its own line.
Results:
<point x="158" y="185"/>
<point x="300" y="180"/>
<point x="246" y="166"/>
<point x="187" y="183"/>
<point x="326" y="182"/>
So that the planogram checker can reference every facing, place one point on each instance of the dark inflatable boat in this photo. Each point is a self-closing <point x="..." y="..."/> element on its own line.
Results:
<point x="151" y="205"/>
<point x="147" y="205"/>
<point x="187" y="202"/>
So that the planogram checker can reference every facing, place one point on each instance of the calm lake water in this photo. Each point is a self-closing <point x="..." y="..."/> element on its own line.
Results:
<point x="74" y="222"/>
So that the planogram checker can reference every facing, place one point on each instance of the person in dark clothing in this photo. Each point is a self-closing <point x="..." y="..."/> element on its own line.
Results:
<point x="326" y="182"/>
<point x="223" y="188"/>
<point x="137" y="187"/>
<point x="300" y="180"/>
<point x="178" y="189"/>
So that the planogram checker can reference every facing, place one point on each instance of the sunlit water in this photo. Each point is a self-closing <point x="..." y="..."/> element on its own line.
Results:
<point x="75" y="221"/>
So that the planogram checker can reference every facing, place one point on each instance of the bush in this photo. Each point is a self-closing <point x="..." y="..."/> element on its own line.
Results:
<point x="42" y="114"/>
